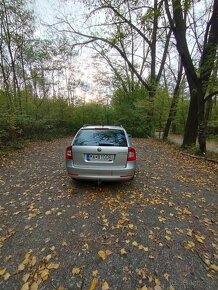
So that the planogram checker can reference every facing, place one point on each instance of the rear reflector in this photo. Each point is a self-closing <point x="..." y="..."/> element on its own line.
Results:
<point x="126" y="176"/>
<point x="69" y="153"/>
<point x="73" y="174"/>
<point x="131" y="154"/>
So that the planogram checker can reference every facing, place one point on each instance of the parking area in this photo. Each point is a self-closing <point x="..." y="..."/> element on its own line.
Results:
<point x="158" y="231"/>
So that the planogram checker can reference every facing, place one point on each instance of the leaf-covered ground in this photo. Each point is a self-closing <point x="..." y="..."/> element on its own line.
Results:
<point x="157" y="232"/>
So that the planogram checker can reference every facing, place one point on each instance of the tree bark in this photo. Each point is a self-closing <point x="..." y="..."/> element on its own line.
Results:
<point x="173" y="107"/>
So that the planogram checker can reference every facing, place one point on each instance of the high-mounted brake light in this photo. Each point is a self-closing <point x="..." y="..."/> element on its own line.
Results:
<point x="131" y="154"/>
<point x="69" y="153"/>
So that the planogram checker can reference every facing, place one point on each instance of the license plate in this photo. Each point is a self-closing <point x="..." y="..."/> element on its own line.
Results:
<point x="99" y="157"/>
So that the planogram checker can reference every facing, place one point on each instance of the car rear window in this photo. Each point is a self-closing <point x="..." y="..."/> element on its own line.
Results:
<point x="100" y="137"/>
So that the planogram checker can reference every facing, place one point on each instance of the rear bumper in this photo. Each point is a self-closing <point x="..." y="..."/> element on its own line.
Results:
<point x="102" y="173"/>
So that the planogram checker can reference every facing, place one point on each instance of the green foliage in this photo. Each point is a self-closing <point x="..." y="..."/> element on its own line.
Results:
<point x="10" y="132"/>
<point x="130" y="110"/>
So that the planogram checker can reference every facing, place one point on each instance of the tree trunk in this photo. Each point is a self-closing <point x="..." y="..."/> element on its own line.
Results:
<point x="173" y="107"/>
<point x="191" y="127"/>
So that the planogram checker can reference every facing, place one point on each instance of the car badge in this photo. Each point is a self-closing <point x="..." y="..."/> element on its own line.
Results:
<point x="99" y="149"/>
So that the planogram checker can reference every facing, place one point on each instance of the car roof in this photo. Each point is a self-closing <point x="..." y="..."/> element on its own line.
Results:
<point x="102" y="127"/>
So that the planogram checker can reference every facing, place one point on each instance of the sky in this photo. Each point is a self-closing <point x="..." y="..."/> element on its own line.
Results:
<point x="46" y="12"/>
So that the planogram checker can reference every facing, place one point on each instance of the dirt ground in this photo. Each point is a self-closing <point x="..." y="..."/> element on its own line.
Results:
<point x="158" y="231"/>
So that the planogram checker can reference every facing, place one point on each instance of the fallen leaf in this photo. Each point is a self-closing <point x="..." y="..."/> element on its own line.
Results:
<point x="34" y="286"/>
<point x="144" y="288"/>
<point x="103" y="254"/>
<point x="189" y="232"/>
<point x="168" y="238"/>
<point x="25" y="277"/>
<point x="123" y="251"/>
<point x="7" y="276"/>
<point x="25" y="286"/>
<point x="105" y="286"/>
<point x="135" y="243"/>
<point x="76" y="271"/>
<point x="48" y="258"/>
<point x="189" y="245"/>
<point x="44" y="274"/>
<point x="64" y="244"/>
<point x="21" y="267"/>
<point x="95" y="273"/>
<point x="94" y="284"/>
<point x="33" y="261"/>
<point x="53" y="266"/>
<point x="200" y="238"/>
<point x="2" y="271"/>
<point x="214" y="267"/>
<point x="166" y="276"/>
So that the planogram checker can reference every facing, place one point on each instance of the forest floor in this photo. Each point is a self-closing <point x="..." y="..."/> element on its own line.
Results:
<point x="158" y="231"/>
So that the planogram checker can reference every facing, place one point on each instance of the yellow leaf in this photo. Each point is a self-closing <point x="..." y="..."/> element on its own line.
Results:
<point x="131" y="226"/>
<point x="7" y="276"/>
<point x="168" y="232"/>
<point x="157" y="287"/>
<point x="25" y="277"/>
<point x="28" y="254"/>
<point x="189" y="245"/>
<point x="64" y="244"/>
<point x="168" y="238"/>
<point x="144" y="288"/>
<point x="103" y="254"/>
<point x="108" y="252"/>
<point x="25" y="286"/>
<point x="157" y="281"/>
<point x="162" y="219"/>
<point x="2" y="271"/>
<point x="76" y="271"/>
<point x="47" y="258"/>
<point x="52" y="248"/>
<point x="123" y="251"/>
<point x="45" y="274"/>
<point x="34" y="286"/>
<point x="95" y="273"/>
<point x="33" y="261"/>
<point x="166" y="276"/>
<point x="214" y="267"/>
<point x="21" y="267"/>
<point x="189" y="232"/>
<point x="171" y="288"/>
<point x="135" y="243"/>
<point x="105" y="286"/>
<point x="200" y="238"/>
<point x="93" y="284"/>
<point x="53" y="266"/>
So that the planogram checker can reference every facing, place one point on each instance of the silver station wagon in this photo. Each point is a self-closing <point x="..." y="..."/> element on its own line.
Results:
<point x="102" y="153"/>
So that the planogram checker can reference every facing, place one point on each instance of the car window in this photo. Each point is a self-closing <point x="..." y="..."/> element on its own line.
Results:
<point x="100" y="137"/>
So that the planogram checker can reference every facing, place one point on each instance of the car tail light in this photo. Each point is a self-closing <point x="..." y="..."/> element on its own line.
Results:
<point x="131" y="154"/>
<point x="69" y="153"/>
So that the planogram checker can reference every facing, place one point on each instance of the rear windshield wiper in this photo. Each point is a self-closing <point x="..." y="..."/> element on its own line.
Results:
<point x="105" y="144"/>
